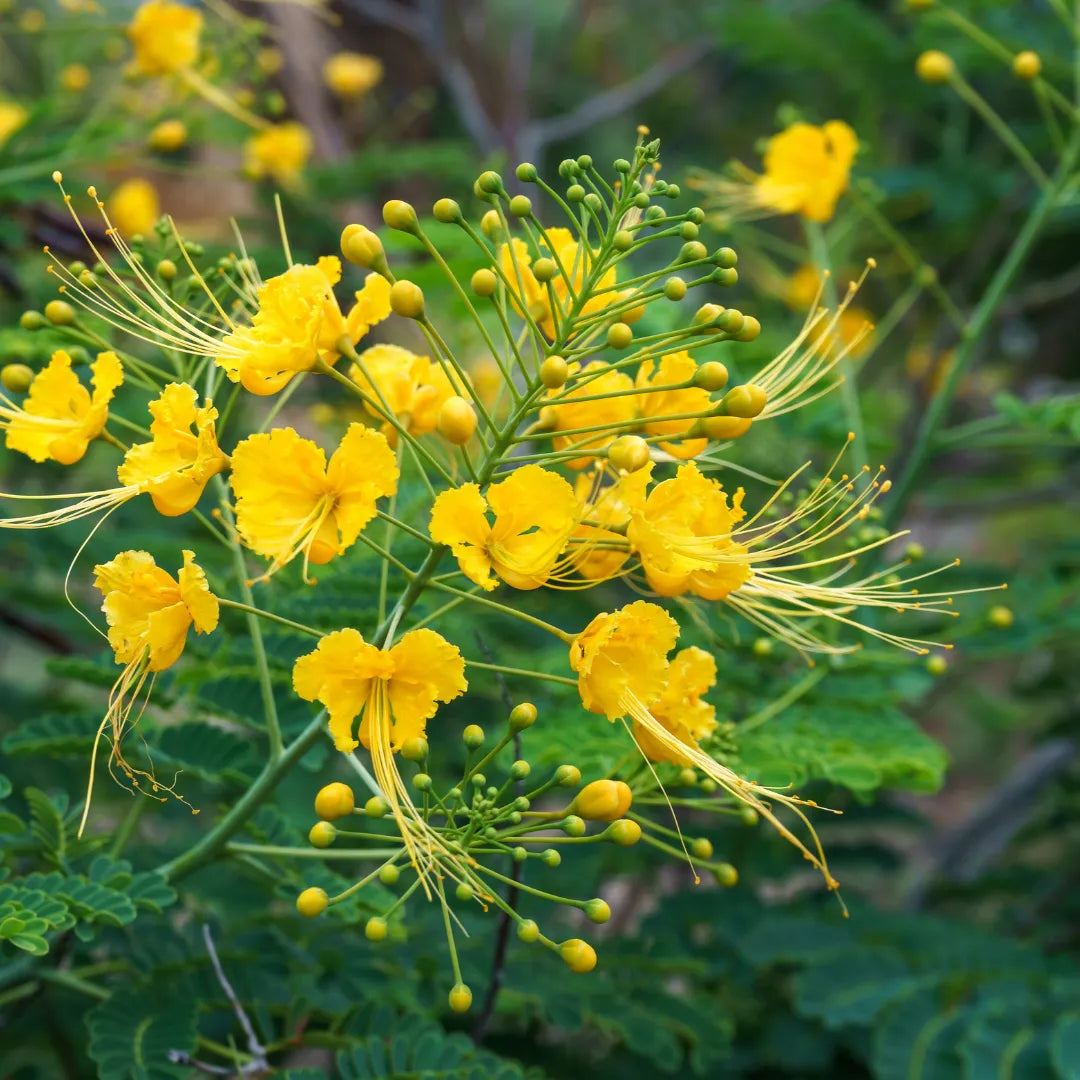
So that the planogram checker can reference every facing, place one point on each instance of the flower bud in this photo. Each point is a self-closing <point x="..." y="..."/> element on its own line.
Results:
<point x="622" y="165"/>
<point x="623" y="240"/>
<point x="528" y="931"/>
<point x="60" y="313"/>
<point x="724" y="276"/>
<point x="750" y="329"/>
<point x="763" y="646"/>
<point x="491" y="225"/>
<point x="619" y="336"/>
<point x="1000" y="617"/>
<point x="520" y="769"/>
<point x="934" y="66"/>
<point x="629" y="453"/>
<point x="16" y="378"/>
<point x="362" y="247"/>
<point x="688" y="777"/>
<point x="526" y="173"/>
<point x="725" y="874"/>
<point x="1027" y="65"/>
<point x="545" y="269"/>
<point x="593" y="202"/>
<point x="519" y="854"/>
<point x="489" y="182"/>
<point x="726" y="427"/>
<point x="640" y="200"/>
<point x="406" y="299"/>
<point x="168" y="136"/>
<point x="376" y="807"/>
<point x="568" y="776"/>
<point x="521" y="206"/>
<point x="579" y="956"/>
<point x="322" y="834"/>
<point x="655" y="214"/>
<point x="375" y="928"/>
<point x="597" y="911"/>
<point x="573" y="826"/>
<point x="522" y="716"/>
<point x="701" y="848"/>
<point x="312" y="902"/>
<point x="689" y="230"/>
<point x="460" y="998"/>
<point x="421" y="781"/>
<point x="414" y="749"/>
<point x="464" y="892"/>
<point x="32" y="320"/>
<point x="575" y="193"/>
<point x="447" y="211"/>
<point x="166" y="270"/>
<point x="706" y="315"/>
<point x="624" y="832"/>
<point x="693" y="251"/>
<point x="937" y="664"/>
<point x="389" y="874"/>
<point x="334" y="801"/>
<point x="708" y="785"/>
<point x="551" y="858"/>
<point x="554" y="372"/>
<point x="457" y="420"/>
<point x="484" y="282"/>
<point x="472" y="737"/>
<point x="478" y="779"/>
<point x="745" y="401"/>
<point x="749" y="816"/>
<point x="711" y="376"/>
<point x="674" y="288"/>
<point x="603" y="800"/>
<point x="731" y="322"/>
<point x="400" y="215"/>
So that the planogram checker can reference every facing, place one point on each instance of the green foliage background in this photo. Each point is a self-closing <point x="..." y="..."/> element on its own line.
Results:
<point x="958" y="849"/>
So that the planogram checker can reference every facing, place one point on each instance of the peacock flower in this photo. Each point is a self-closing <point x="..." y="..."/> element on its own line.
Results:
<point x="597" y="548"/>
<point x="666" y="390"/>
<point x="680" y="708"/>
<point x="134" y="206"/>
<point x="351" y="75"/>
<point x="289" y="500"/>
<point x="401" y="384"/>
<point x="549" y="303"/>
<point x="623" y="673"/>
<point x="598" y="408"/>
<point x="691" y="539"/>
<point x="280" y="152"/>
<point x="394" y="692"/>
<point x="60" y="417"/>
<point x="535" y="511"/>
<point x="165" y="37"/>
<point x="173" y="467"/>
<point x="149" y="613"/>
<point x="807" y="169"/>
<point x="182" y="455"/>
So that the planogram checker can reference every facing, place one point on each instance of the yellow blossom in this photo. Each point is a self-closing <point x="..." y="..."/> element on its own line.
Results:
<point x="289" y="500"/>
<point x="75" y="78"/>
<point x="12" y="117"/>
<point x="405" y="385"/>
<point x="165" y="37"/>
<point x="60" y="417"/>
<point x="689" y="402"/>
<point x="596" y="552"/>
<point x="177" y="463"/>
<point x="168" y="136"/>
<point x="394" y="692"/>
<point x="351" y="75"/>
<point x="280" y="152"/>
<point x="590" y="404"/>
<point x="134" y="206"/>
<point x="149" y="613"/>
<point x="573" y="263"/>
<point x="680" y="708"/>
<point x="534" y="509"/>
<point x="623" y="673"/>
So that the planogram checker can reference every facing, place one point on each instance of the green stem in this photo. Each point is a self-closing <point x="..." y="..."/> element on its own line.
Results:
<point x="976" y="326"/>
<point x="789" y="697"/>
<point x="127" y="827"/>
<point x="285" y="852"/>
<point x="237" y="606"/>
<point x="522" y="671"/>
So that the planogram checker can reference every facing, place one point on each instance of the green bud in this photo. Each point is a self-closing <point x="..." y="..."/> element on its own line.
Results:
<point x="472" y="737"/>
<point x="725" y="277"/>
<point x="519" y="854"/>
<point x="623" y="240"/>
<point x="414" y="749"/>
<point x="528" y="931"/>
<point x="491" y="225"/>
<point x="484" y="282"/>
<point x="166" y="270"/>
<point x="521" y="206"/>
<point x="914" y="551"/>
<point x="584" y="162"/>
<point x="568" y="776"/>
<point x="526" y="172"/>
<point x="76" y="268"/>
<point x="514" y="817"/>
<point x="447" y="211"/>
<point x="376" y="807"/>
<point x="464" y="892"/>
<point x="725" y="874"/>
<point x="593" y="202"/>
<point x="708" y="786"/>
<point x="573" y="826"/>
<point x="731" y="322"/>
<point x="550" y="857"/>
<point x="622" y="165"/>
<point x="695" y="214"/>
<point x="524" y="715"/>
<point x="521" y="803"/>
<point x="491" y="832"/>
<point x="655" y="214"/>
<point x="763" y="646"/>
<point x="689" y="230"/>
<point x="701" y="848"/>
<point x="688" y="777"/>
<point x="674" y="288"/>
<point x="725" y="258"/>
<point x="544" y="269"/>
<point x="60" y="313"/>
<point x="492" y="792"/>
<point x="322" y="834"/>
<point x="520" y="769"/>
<point x="640" y="200"/>
<point x="749" y="815"/>
<point x="32" y="320"/>
<point x="421" y="781"/>
<point x="567" y="168"/>
<point x="479" y="780"/>
<point x="375" y="929"/>
<point x="597" y="911"/>
<point x="389" y="875"/>
<point x="400" y="215"/>
<point x="489" y="182"/>
<point x="78" y="355"/>
<point x="575" y="193"/>
<point x="619" y="336"/>
<point x="673" y="191"/>
<point x="693" y="251"/>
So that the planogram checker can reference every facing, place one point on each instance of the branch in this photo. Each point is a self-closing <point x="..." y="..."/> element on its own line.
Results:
<point x="255" y="1048"/>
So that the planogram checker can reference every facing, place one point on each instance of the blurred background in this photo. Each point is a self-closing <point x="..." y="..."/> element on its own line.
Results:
<point x="959" y="849"/>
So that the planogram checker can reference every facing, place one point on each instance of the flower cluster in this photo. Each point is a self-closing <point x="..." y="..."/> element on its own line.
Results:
<point x="594" y="462"/>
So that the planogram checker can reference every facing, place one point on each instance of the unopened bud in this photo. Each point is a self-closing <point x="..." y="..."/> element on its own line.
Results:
<point x="375" y="928"/>
<point x="1027" y="65"/>
<point x="545" y="269"/>
<point x="573" y="826"/>
<point x="521" y="206"/>
<point x="603" y="800"/>
<point x="489" y="182"/>
<point x="625" y="832"/>
<point x="726" y="427"/>
<point x="389" y="875"/>
<point x="751" y="328"/>
<point x="623" y="240"/>
<point x="674" y="288"/>
<point x="491" y="225"/>
<point x="711" y="376"/>
<point x="60" y="313"/>
<point x="528" y="931"/>
<point x="933" y="66"/>
<point x="628" y="453"/>
<point x="472" y="737"/>
<point x="745" y="401"/>
<point x="414" y="749"/>
<point x="526" y="172"/>
<point x="16" y="378"/>
<point x="400" y="215"/>
<point x="693" y="251"/>
<point x="520" y="769"/>
<point x="701" y="848"/>
<point x="322" y="834"/>
<point x="32" y="320"/>
<point x="579" y="956"/>
<point x="1000" y="617"/>
<point x="597" y="911"/>
<point x="568" y="776"/>
<point x="484" y="282"/>
<point x="334" y="801"/>
<point x="460" y="998"/>
<point x="376" y="807"/>
<point x="554" y="372"/>
<point x="522" y="716"/>
<point x="406" y="299"/>
<point x="312" y="902"/>
<point x="457" y="420"/>
<point x="619" y="336"/>
<point x="447" y="211"/>
<point x="362" y="247"/>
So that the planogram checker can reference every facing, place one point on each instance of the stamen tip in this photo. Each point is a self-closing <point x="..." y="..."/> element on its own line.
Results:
<point x="92" y="191"/>
<point x="872" y="263"/>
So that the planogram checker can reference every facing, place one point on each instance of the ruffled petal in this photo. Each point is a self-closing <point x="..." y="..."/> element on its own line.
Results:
<point x="362" y="470"/>
<point x="427" y="670"/>
<point x="201" y="603"/>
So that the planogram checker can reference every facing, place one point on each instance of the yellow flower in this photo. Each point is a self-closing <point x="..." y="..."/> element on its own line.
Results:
<point x="573" y="263"/>
<point x="60" y="417"/>
<point x="803" y="289"/>
<point x="534" y="510"/>
<point x="598" y="553"/>
<point x="623" y="673"/>
<point x="409" y="387"/>
<point x="680" y="708"/>
<point x="682" y="533"/>
<point x="395" y="692"/>
<point x="75" y="78"/>
<point x="134" y="207"/>
<point x="577" y="410"/>
<point x="807" y="169"/>
<point x="297" y="322"/>
<point x="674" y="369"/>
<point x="352" y="75"/>
<point x="168" y="136"/>
<point x="149" y="613"/>
<point x="12" y="117"/>
<point x="289" y="500"/>
<point x="280" y="152"/>
<point x="371" y="307"/>
<point x="165" y="37"/>
<point x="177" y="463"/>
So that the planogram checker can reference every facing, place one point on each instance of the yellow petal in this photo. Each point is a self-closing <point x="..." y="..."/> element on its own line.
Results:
<point x="166" y="634"/>
<point x="201" y="603"/>
<point x="532" y="497"/>
<point x="362" y="470"/>
<point x="372" y="307"/>
<point x="427" y="670"/>
<point x="458" y="520"/>
<point x="108" y="376"/>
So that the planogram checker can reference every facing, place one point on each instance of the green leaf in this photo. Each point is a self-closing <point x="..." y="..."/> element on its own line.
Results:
<point x="132" y="1033"/>
<point x="206" y="750"/>
<point x="31" y="943"/>
<point x="1065" y="1047"/>
<point x="54" y="735"/>
<point x="46" y="821"/>
<point x="916" y="1040"/>
<point x="854" y="988"/>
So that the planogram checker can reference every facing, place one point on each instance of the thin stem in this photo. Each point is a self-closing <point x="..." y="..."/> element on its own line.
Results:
<point x="522" y="671"/>
<point x="237" y="606"/>
<point x="789" y="697"/>
<point x="283" y="851"/>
